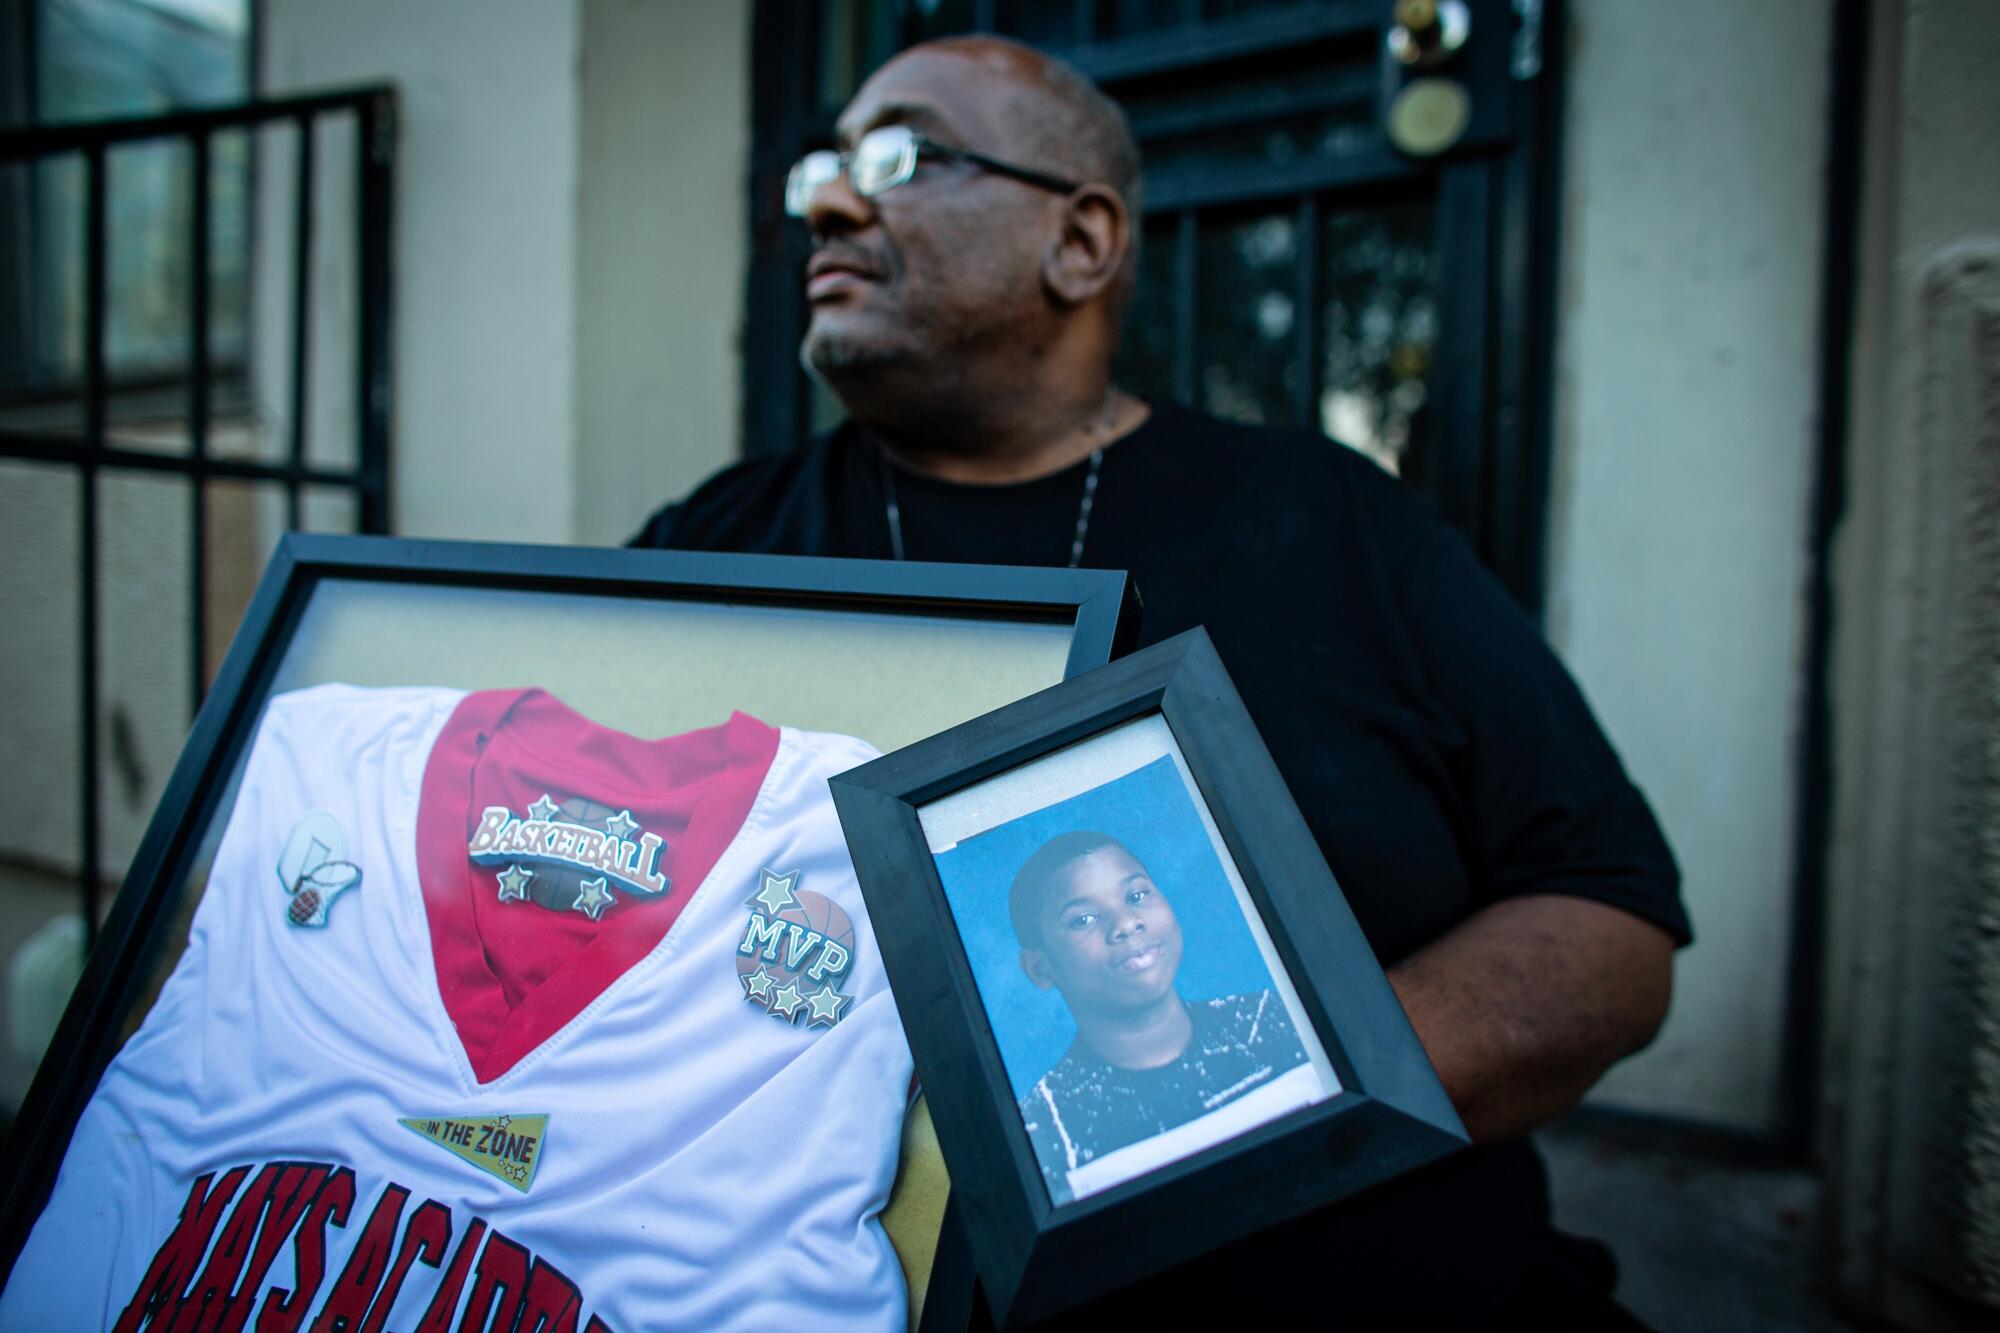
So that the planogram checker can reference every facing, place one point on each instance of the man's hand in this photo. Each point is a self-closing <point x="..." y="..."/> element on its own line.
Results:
<point x="1526" y="1003"/>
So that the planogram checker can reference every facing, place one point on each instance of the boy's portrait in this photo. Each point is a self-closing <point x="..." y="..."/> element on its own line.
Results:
<point x="1127" y="984"/>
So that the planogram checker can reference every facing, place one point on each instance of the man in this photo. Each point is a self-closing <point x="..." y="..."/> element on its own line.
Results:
<point x="1096" y="927"/>
<point x="970" y="268"/>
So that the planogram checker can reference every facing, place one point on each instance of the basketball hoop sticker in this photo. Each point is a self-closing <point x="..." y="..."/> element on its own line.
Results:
<point x="313" y="869"/>
<point x="795" y="950"/>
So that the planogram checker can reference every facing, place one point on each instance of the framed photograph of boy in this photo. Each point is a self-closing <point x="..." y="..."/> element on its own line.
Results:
<point x="1144" y="1017"/>
<point x="1131" y="986"/>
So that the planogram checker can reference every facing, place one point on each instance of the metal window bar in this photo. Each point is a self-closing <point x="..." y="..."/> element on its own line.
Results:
<point x="1305" y="299"/>
<point x="302" y="247"/>
<point x="96" y="279"/>
<point x="1186" y="238"/>
<point x="198" y="375"/>
<point x="367" y="481"/>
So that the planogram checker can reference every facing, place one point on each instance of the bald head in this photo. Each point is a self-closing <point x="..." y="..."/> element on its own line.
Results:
<point x="1057" y="113"/>
<point x="1048" y="114"/>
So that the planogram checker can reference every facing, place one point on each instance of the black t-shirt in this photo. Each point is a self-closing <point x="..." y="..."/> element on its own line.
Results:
<point x="1440" y="753"/>
<point x="1085" y="1107"/>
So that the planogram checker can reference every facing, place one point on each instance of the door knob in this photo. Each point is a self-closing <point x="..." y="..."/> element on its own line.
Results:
<point x="1428" y="32"/>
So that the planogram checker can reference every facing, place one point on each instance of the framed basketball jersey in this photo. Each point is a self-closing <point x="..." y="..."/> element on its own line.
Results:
<point x="495" y="952"/>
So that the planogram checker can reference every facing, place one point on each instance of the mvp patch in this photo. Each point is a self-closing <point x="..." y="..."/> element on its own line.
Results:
<point x="506" y="1147"/>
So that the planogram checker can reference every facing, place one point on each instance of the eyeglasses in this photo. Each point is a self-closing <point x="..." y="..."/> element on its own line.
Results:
<point x="887" y="156"/>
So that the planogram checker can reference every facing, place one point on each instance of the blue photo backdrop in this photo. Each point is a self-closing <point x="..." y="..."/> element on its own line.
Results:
<point x="1148" y="810"/>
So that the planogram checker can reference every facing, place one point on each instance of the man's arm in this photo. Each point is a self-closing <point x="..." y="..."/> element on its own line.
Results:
<point x="1525" y="1004"/>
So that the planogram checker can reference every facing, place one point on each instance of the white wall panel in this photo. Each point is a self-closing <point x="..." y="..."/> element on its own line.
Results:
<point x="1686" y="383"/>
<point x="484" y="244"/>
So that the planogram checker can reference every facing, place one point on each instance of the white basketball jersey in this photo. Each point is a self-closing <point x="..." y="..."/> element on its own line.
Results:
<point x="495" y="1018"/>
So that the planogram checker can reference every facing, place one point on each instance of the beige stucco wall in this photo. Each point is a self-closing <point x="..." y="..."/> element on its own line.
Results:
<point x="485" y="245"/>
<point x="1685" y="387"/>
<point x="570" y="247"/>
<point x="662" y="242"/>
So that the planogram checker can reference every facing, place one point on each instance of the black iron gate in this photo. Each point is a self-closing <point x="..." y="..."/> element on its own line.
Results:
<point x="85" y="448"/>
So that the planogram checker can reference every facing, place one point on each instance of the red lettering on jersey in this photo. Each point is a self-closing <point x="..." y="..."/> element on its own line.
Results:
<point x="358" y="1282"/>
<point x="496" y="1292"/>
<point x="510" y="1288"/>
<point x="205" y="1305"/>
<point x="427" y="1237"/>
<point x="553" y="1304"/>
<point x="437" y="1319"/>
<point x="290" y="1195"/>
<point x="285" y="1311"/>
<point x="177" y="1259"/>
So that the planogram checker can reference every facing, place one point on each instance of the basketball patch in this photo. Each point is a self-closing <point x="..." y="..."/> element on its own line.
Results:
<point x="313" y="871"/>
<point x="796" y="949"/>
<point x="568" y="855"/>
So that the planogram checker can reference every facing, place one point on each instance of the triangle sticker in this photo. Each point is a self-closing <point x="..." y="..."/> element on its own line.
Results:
<point x="506" y="1147"/>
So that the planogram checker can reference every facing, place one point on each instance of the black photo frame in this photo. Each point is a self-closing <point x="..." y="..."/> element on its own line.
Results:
<point x="1097" y="610"/>
<point x="1036" y="1257"/>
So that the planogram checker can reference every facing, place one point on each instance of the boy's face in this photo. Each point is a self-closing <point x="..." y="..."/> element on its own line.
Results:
<point x="1109" y="939"/>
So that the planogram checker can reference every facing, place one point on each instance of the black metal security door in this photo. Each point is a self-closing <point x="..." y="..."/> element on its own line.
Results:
<point x="1323" y="246"/>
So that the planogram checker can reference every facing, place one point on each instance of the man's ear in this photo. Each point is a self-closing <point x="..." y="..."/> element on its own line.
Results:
<point x="1036" y="964"/>
<point x="1085" y="257"/>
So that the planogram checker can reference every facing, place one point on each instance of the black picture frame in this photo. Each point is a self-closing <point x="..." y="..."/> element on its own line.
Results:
<point x="1101" y="606"/>
<point x="1035" y="1258"/>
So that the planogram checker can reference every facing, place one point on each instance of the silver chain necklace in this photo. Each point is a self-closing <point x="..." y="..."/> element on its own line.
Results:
<point x="893" y="511"/>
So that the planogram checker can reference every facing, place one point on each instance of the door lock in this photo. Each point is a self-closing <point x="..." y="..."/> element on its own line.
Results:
<point x="1426" y="33"/>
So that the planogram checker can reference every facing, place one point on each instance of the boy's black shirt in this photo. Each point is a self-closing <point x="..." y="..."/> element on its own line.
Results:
<point x="1440" y="753"/>
<point x="1085" y="1106"/>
